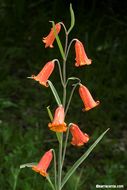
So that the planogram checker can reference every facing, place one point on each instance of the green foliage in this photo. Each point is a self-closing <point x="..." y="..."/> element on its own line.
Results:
<point x="72" y="19"/>
<point x="57" y="98"/>
<point x="81" y="159"/>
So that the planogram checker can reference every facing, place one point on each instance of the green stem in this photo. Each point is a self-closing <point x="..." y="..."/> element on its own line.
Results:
<point x="60" y="72"/>
<point x="55" y="173"/>
<point x="63" y="27"/>
<point x="64" y="73"/>
<point x="63" y="81"/>
<point x="65" y="147"/>
<point x="66" y="43"/>
<point x="69" y="46"/>
<point x="50" y="182"/>
<point x="73" y="78"/>
<point x="59" y="164"/>
<point x="64" y="104"/>
<point x="69" y="101"/>
<point x="67" y="134"/>
<point x="64" y="96"/>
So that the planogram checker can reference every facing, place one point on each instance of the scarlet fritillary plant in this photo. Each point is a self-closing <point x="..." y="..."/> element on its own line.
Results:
<point x="58" y="123"/>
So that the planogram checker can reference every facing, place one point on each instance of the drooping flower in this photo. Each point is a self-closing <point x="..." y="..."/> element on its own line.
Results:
<point x="44" y="74"/>
<point x="58" y="124"/>
<point x="81" y="57"/>
<point x="87" y="99"/>
<point x="51" y="36"/>
<point x="44" y="163"/>
<point x="78" y="137"/>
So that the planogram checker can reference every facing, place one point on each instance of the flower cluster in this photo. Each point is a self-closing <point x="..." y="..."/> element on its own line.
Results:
<point x="58" y="123"/>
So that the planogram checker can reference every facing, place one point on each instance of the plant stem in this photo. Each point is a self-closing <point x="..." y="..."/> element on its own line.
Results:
<point x="64" y="73"/>
<point x="65" y="146"/>
<point x="59" y="164"/>
<point x="67" y="134"/>
<point x="64" y="105"/>
<point x="60" y="72"/>
<point x="64" y="96"/>
<point x="54" y="154"/>
<point x="73" y="78"/>
<point x="63" y="27"/>
<point x="69" y="101"/>
<point x="49" y="180"/>
<point x="68" y="49"/>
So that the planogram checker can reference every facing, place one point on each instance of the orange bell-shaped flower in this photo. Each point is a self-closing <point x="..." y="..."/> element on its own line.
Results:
<point x="44" y="163"/>
<point x="44" y="74"/>
<point x="81" y="57"/>
<point x="87" y="99"/>
<point x="51" y="37"/>
<point x="78" y="137"/>
<point x="58" y="124"/>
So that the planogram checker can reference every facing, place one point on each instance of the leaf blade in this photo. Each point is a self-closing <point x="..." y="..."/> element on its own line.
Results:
<point x="82" y="158"/>
<point x="58" y="41"/>
<point x="72" y="18"/>
<point x="29" y="165"/>
<point x="57" y="98"/>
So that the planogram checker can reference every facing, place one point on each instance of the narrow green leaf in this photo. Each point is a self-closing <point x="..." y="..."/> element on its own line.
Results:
<point x="73" y="78"/>
<point x="78" y="178"/>
<point x="50" y="113"/>
<point x="58" y="41"/>
<point x="81" y="159"/>
<point x="29" y="165"/>
<point x="58" y="135"/>
<point x="57" y="98"/>
<point x="72" y="18"/>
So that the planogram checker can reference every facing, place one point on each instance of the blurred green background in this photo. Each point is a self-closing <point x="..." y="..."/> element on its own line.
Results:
<point x="24" y="135"/>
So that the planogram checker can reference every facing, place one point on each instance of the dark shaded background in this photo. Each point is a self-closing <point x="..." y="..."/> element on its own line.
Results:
<point x="102" y="27"/>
